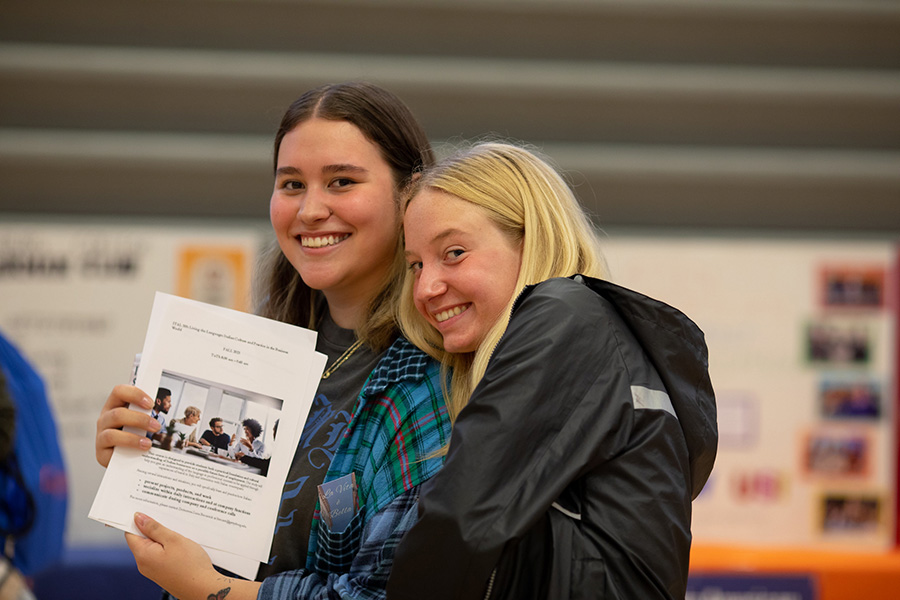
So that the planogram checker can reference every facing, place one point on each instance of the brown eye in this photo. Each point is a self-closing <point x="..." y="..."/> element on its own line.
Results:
<point x="292" y="185"/>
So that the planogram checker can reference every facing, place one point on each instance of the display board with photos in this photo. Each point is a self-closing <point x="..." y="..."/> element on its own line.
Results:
<point x="802" y="338"/>
<point x="801" y="334"/>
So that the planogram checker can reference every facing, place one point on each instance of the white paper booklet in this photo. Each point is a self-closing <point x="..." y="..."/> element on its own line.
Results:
<point x="231" y="366"/>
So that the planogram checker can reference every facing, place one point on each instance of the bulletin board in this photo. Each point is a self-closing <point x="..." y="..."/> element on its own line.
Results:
<point x="75" y="299"/>
<point x="802" y="338"/>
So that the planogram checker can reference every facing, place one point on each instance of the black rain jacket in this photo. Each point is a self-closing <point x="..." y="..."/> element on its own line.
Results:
<point x="572" y="469"/>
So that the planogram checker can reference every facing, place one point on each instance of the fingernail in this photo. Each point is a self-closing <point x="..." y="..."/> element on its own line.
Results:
<point x="145" y="443"/>
<point x="155" y="425"/>
<point x="146" y="402"/>
<point x="140" y="519"/>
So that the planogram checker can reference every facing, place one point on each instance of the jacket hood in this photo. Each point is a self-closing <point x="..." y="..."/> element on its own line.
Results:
<point x="677" y="348"/>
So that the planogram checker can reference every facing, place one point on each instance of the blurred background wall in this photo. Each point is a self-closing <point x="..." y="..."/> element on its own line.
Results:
<point x="725" y="114"/>
<point x="700" y="124"/>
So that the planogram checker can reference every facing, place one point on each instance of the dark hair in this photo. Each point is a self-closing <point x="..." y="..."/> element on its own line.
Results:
<point x="388" y="123"/>
<point x="254" y="427"/>
<point x="162" y="393"/>
<point x="380" y="115"/>
<point x="213" y="421"/>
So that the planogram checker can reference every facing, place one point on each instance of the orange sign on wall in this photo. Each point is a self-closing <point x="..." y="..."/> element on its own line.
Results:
<point x="214" y="274"/>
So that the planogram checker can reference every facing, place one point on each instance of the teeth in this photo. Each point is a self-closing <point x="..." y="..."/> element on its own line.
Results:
<point x="319" y="242"/>
<point x="443" y="316"/>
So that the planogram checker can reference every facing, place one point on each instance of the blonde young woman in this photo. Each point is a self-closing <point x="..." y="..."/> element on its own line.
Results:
<point x="187" y="425"/>
<point x="585" y="419"/>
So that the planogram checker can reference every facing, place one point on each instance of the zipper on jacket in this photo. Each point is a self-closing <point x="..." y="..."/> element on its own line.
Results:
<point x="511" y="312"/>
<point x="490" y="585"/>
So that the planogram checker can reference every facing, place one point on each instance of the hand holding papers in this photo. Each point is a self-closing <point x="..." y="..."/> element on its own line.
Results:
<point x="249" y="371"/>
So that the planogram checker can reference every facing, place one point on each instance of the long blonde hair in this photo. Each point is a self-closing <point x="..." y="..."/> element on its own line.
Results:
<point x="530" y="202"/>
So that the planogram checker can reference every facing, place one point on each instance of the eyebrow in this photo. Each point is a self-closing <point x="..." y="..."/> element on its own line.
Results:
<point x="344" y="168"/>
<point x="442" y="235"/>
<point x="330" y="169"/>
<point x="447" y="233"/>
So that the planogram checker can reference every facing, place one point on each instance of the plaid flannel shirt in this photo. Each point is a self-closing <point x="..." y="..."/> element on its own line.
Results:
<point x="400" y="418"/>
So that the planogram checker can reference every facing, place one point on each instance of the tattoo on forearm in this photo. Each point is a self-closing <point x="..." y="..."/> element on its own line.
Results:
<point x="222" y="593"/>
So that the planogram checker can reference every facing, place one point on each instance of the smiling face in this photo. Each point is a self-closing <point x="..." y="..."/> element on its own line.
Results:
<point x="465" y="267"/>
<point x="333" y="209"/>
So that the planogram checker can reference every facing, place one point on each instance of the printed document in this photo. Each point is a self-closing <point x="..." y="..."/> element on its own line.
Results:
<point x="259" y="377"/>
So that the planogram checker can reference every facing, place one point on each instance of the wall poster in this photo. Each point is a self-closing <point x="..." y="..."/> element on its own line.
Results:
<point x="75" y="298"/>
<point x="802" y="343"/>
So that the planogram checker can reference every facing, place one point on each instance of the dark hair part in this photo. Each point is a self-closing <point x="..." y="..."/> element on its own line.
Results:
<point x="213" y="421"/>
<point x="254" y="427"/>
<point x="388" y="123"/>
<point x="162" y="393"/>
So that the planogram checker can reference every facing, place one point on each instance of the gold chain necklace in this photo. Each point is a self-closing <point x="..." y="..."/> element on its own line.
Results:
<point x="342" y="359"/>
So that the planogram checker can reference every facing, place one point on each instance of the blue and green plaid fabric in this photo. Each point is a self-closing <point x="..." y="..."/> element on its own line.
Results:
<point x="399" y="420"/>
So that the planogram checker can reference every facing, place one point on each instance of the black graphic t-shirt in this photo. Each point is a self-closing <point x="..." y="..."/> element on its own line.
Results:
<point x="326" y="423"/>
